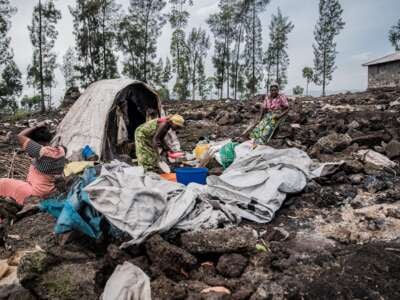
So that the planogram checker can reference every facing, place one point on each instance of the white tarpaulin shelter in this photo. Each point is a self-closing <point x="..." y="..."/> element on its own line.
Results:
<point x="95" y="118"/>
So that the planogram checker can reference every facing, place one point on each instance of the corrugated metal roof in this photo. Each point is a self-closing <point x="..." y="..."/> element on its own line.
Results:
<point x="388" y="58"/>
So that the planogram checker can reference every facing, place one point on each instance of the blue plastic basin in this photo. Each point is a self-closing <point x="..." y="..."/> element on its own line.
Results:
<point x="188" y="175"/>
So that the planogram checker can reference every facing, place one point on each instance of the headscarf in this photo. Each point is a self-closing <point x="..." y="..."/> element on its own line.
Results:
<point x="177" y="120"/>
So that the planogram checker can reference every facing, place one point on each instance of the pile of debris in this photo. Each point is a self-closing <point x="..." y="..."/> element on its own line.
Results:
<point x="338" y="239"/>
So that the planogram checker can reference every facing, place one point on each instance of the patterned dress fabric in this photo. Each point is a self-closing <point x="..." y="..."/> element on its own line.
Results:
<point x="266" y="128"/>
<point x="145" y="152"/>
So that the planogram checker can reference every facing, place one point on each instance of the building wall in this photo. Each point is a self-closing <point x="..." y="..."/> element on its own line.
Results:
<point x="385" y="75"/>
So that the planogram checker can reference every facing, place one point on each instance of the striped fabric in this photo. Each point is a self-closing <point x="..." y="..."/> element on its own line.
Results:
<point x="44" y="163"/>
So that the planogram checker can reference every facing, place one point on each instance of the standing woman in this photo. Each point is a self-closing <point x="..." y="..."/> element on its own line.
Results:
<point x="47" y="163"/>
<point x="149" y="139"/>
<point x="273" y="113"/>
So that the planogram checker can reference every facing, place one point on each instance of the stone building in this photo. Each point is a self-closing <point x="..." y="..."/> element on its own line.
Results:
<point x="384" y="72"/>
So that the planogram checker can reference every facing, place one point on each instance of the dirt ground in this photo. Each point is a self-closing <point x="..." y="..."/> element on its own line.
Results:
<point x="338" y="239"/>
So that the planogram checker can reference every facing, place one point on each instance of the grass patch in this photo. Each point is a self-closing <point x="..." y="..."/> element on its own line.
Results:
<point x="60" y="288"/>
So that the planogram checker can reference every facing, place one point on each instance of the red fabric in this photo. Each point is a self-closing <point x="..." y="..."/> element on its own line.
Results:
<point x="280" y="102"/>
<point x="162" y="120"/>
<point x="37" y="184"/>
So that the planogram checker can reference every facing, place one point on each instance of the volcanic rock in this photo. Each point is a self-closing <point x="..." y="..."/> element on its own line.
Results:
<point x="393" y="149"/>
<point x="237" y="239"/>
<point x="232" y="265"/>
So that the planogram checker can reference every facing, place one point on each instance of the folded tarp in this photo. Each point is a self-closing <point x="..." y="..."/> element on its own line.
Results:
<point x="141" y="204"/>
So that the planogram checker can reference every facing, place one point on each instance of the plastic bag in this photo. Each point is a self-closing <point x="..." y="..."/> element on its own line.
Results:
<point x="227" y="154"/>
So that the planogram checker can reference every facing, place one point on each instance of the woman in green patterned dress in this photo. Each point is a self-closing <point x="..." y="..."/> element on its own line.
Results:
<point x="273" y="113"/>
<point x="149" y="139"/>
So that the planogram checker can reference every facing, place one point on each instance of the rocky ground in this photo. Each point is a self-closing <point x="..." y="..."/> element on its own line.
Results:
<point x="338" y="239"/>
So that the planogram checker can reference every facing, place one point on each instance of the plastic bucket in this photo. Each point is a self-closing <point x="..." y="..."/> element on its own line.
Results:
<point x="188" y="175"/>
<point x="169" y="176"/>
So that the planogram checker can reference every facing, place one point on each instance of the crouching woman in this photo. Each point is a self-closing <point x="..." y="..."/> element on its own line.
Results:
<point x="47" y="163"/>
<point x="149" y="139"/>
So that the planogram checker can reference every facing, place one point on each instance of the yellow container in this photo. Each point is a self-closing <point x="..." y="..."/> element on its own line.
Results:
<point x="201" y="150"/>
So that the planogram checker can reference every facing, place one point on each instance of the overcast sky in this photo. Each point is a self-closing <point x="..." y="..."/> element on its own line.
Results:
<point x="365" y="36"/>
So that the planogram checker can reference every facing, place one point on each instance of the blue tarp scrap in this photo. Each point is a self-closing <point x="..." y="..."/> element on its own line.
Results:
<point x="75" y="211"/>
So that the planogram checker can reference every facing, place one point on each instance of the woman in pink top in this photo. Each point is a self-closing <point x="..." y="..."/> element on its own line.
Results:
<point x="273" y="112"/>
<point x="47" y="163"/>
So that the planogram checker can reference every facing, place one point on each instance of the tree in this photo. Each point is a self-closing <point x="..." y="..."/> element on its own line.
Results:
<point x="95" y="36"/>
<point x="43" y="34"/>
<point x="157" y="73"/>
<point x="268" y="61"/>
<point x="308" y="74"/>
<point x="298" y="90"/>
<point x="10" y="75"/>
<point x="394" y="36"/>
<point x="10" y="86"/>
<point x="329" y="25"/>
<point x="138" y="34"/>
<point x="167" y="73"/>
<point x="68" y="68"/>
<point x="179" y="55"/>
<point x="202" y="80"/>
<point x="29" y="103"/>
<point x="222" y="26"/>
<point x="198" y="43"/>
<point x="178" y="18"/>
<point x="218" y="60"/>
<point x="279" y="29"/>
<point x="253" y="54"/>
<point x="6" y="12"/>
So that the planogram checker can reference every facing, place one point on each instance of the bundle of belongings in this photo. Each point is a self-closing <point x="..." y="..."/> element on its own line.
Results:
<point x="122" y="198"/>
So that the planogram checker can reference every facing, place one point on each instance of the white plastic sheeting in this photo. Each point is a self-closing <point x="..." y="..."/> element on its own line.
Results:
<point x="253" y="188"/>
<point x="141" y="204"/>
<point x="85" y="122"/>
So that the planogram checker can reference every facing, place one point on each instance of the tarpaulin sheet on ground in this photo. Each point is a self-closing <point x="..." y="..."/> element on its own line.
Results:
<point x="75" y="211"/>
<point x="253" y="188"/>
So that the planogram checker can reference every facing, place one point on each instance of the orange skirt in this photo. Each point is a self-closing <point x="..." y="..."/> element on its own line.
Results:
<point x="37" y="184"/>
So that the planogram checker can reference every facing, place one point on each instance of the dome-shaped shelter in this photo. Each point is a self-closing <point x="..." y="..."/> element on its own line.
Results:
<point x="108" y="111"/>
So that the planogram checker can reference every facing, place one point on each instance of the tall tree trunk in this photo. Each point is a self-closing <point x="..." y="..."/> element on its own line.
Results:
<point x="104" y="40"/>
<point x="178" y="50"/>
<point x="43" y="105"/>
<point x="237" y="62"/>
<point x="228" y="59"/>
<point x="253" y="86"/>
<point x="194" y="79"/>
<point x="49" y="102"/>
<point x="146" y="40"/>
<point x="324" y="76"/>
<point x="308" y="82"/>
<point x="277" y="67"/>
<point x="90" y="50"/>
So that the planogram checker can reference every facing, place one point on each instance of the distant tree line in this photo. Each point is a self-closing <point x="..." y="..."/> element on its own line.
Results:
<point x="104" y="33"/>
